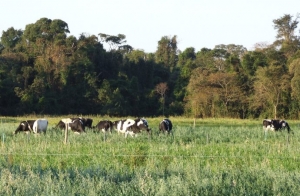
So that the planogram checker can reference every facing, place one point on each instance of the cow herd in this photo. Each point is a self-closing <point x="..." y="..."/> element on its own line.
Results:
<point x="126" y="126"/>
<point x="78" y="125"/>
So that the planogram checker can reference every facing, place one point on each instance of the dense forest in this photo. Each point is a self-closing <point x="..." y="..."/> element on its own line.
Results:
<point x="45" y="70"/>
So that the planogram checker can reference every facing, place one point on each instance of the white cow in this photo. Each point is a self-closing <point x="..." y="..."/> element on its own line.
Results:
<point x="40" y="125"/>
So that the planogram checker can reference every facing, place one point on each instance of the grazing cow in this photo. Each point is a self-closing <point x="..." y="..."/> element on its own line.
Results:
<point x="74" y="124"/>
<point x="122" y="125"/>
<point x="104" y="126"/>
<point x="165" y="126"/>
<point x="279" y="125"/>
<point x="139" y="125"/>
<point x="275" y="125"/>
<point x="40" y="125"/>
<point x="77" y="126"/>
<point x="25" y="126"/>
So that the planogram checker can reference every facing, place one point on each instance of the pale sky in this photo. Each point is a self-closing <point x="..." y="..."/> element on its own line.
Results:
<point x="197" y="23"/>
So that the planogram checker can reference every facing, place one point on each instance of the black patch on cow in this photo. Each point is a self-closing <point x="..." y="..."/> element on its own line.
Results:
<point x="104" y="125"/>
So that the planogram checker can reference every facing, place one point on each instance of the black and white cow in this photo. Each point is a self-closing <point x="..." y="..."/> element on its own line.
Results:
<point x="139" y="125"/>
<point x="86" y="121"/>
<point x="77" y="126"/>
<point x="74" y="124"/>
<point x="165" y="126"/>
<point x="131" y="127"/>
<point x="275" y="125"/>
<point x="25" y="126"/>
<point x="122" y="125"/>
<point x="36" y="126"/>
<point x="104" y="126"/>
<point x="279" y="125"/>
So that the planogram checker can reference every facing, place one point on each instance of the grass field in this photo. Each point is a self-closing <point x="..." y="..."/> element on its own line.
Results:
<point x="216" y="157"/>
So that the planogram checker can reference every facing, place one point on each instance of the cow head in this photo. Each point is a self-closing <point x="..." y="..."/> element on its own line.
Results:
<point x="21" y="127"/>
<point x="283" y="123"/>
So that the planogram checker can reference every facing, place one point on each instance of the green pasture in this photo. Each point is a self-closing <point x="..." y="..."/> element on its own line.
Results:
<point x="202" y="157"/>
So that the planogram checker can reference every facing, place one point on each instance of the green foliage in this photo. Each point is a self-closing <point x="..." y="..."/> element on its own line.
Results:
<point x="166" y="53"/>
<point x="10" y="38"/>
<point x="44" y="70"/>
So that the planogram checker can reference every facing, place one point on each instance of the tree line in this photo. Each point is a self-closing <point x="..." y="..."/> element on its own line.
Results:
<point x="44" y="70"/>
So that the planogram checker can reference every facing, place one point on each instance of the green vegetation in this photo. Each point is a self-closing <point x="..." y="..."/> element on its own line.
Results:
<point x="46" y="70"/>
<point x="216" y="157"/>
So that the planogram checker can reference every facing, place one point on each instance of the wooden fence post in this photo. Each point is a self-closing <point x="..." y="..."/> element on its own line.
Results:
<point x="66" y="133"/>
<point x="194" y="122"/>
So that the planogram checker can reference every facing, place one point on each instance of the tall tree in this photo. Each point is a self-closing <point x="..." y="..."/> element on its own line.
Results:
<point x="161" y="89"/>
<point x="286" y="37"/>
<point x="228" y="89"/>
<point x="166" y="52"/>
<point x="252" y="60"/>
<point x="10" y="38"/>
<point x="115" y="42"/>
<point x="199" y="100"/>
<point x="271" y="84"/>
<point x="294" y="70"/>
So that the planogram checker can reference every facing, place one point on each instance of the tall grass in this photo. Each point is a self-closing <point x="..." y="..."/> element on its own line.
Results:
<point x="212" y="158"/>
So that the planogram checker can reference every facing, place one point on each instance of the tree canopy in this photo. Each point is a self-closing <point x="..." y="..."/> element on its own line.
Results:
<point x="46" y="70"/>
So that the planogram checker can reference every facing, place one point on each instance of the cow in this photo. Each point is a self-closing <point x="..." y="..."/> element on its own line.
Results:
<point x="122" y="125"/>
<point x="279" y="125"/>
<point x="86" y="121"/>
<point x="104" y="126"/>
<point x="139" y="125"/>
<point x="165" y="126"/>
<point x="275" y="125"/>
<point x="40" y="125"/>
<point x="77" y="126"/>
<point x="74" y="124"/>
<point x="25" y="126"/>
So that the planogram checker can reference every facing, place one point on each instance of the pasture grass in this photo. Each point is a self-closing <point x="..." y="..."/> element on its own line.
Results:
<point x="214" y="157"/>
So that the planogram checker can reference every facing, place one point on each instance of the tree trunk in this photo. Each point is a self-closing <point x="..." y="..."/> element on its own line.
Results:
<point x="275" y="111"/>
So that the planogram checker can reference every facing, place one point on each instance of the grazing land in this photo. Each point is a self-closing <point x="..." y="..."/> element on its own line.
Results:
<point x="214" y="157"/>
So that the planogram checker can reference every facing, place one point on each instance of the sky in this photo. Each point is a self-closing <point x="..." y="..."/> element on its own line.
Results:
<point x="196" y="23"/>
